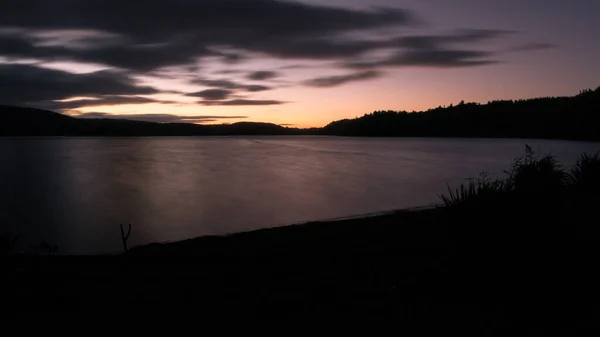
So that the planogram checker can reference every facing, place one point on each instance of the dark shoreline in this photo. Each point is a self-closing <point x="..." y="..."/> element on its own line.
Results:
<point x="309" y="230"/>
<point x="413" y="266"/>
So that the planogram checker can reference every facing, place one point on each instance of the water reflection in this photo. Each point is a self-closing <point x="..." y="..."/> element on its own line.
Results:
<point x="76" y="192"/>
<point x="34" y="197"/>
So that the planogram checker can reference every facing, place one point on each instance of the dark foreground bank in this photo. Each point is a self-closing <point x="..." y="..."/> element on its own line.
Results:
<point x="497" y="255"/>
<point x="412" y="266"/>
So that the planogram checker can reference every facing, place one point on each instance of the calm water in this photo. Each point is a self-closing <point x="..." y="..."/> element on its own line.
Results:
<point x="76" y="192"/>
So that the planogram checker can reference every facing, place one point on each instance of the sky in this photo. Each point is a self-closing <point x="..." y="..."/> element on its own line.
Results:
<point x="299" y="63"/>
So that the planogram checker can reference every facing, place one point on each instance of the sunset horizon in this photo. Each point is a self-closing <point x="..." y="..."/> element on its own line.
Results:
<point x="229" y="119"/>
<point x="293" y="63"/>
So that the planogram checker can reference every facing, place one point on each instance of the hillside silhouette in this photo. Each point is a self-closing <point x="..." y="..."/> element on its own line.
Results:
<point x="572" y="118"/>
<point x="18" y="121"/>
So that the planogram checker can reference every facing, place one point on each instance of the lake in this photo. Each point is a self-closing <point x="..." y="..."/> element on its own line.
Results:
<point x="74" y="192"/>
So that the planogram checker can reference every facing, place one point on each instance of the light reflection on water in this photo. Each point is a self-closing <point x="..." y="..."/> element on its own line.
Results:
<point x="75" y="192"/>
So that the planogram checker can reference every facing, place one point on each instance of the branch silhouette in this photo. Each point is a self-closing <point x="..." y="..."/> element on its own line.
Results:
<point x="125" y="237"/>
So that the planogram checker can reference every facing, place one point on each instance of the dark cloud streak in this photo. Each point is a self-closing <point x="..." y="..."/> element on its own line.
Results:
<point x="105" y="100"/>
<point x="262" y="75"/>
<point x="212" y="94"/>
<point x="30" y="85"/>
<point x="255" y="88"/>
<point x="242" y="102"/>
<point x="463" y="36"/>
<point x="532" y="47"/>
<point x="149" y="37"/>
<point x="155" y="20"/>
<point x="333" y="81"/>
<point x="440" y="58"/>
<point x="437" y="51"/>
<point x="231" y="85"/>
<point x="159" y="118"/>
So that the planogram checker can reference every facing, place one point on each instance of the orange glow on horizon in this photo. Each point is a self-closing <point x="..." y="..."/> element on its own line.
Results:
<point x="410" y="89"/>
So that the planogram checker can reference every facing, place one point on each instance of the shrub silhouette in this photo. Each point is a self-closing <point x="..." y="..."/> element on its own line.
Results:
<point x="536" y="209"/>
<point x="537" y="177"/>
<point x="584" y="176"/>
<point x="475" y="194"/>
<point x="533" y="183"/>
<point x="531" y="177"/>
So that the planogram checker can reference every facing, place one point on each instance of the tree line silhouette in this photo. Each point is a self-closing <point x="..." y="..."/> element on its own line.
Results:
<point x="550" y="117"/>
<point x="573" y="118"/>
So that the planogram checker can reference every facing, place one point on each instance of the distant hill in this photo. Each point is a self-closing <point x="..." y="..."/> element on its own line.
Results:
<point x="575" y="118"/>
<point x="18" y="121"/>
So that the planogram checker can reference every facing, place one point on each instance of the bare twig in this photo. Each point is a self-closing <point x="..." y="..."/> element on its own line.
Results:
<point x="125" y="237"/>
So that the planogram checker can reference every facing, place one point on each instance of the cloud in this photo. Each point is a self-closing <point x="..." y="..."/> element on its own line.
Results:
<point x="120" y="53"/>
<point x="132" y="40"/>
<point x="231" y="85"/>
<point x="462" y="36"/>
<point x="143" y="58"/>
<point x="262" y="75"/>
<point x="232" y="58"/>
<point x="15" y="46"/>
<point x="180" y="50"/>
<point x="153" y="39"/>
<point x="229" y="71"/>
<point x="269" y="17"/>
<point x="332" y="81"/>
<point x="243" y="102"/>
<point x="440" y="58"/>
<point x="212" y="94"/>
<point x="72" y="38"/>
<point x="159" y="118"/>
<point x="105" y="100"/>
<point x="255" y="88"/>
<point x="532" y="47"/>
<point x="431" y="58"/>
<point x="225" y="84"/>
<point x="34" y="86"/>
<point x="436" y="51"/>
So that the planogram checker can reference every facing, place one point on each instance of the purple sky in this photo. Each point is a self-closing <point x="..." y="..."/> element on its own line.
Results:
<point x="290" y="62"/>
